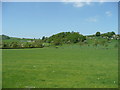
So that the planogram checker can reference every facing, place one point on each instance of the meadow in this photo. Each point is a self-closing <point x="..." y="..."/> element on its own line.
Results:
<point x="69" y="66"/>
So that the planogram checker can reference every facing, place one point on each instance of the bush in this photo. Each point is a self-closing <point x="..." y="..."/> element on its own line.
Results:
<point x="57" y="43"/>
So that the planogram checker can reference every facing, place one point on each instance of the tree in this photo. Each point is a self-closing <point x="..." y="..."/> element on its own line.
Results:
<point x="97" y="34"/>
<point x="108" y="34"/>
<point x="27" y="45"/>
<point x="37" y="44"/>
<point x="5" y="45"/>
<point x="113" y="33"/>
<point x="14" y="45"/>
<point x="43" y="38"/>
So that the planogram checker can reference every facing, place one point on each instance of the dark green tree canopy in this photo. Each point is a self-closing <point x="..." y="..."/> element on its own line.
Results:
<point x="43" y="38"/>
<point x="4" y="37"/>
<point x="97" y="34"/>
<point x="108" y="34"/>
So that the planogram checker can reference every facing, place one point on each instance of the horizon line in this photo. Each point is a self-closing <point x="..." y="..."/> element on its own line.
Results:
<point x="60" y="32"/>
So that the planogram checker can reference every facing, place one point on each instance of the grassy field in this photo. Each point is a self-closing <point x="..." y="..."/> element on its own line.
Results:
<point x="64" y="67"/>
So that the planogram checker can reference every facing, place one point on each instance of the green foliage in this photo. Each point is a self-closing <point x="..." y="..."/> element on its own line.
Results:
<point x="43" y="38"/>
<point x="67" y="37"/>
<point x="108" y="34"/>
<point x="57" y="42"/>
<point x="113" y="33"/>
<point x="27" y="45"/>
<point x="5" y="45"/>
<point x="4" y="37"/>
<point x="38" y="44"/>
<point x="14" y="45"/>
<point x="97" y="34"/>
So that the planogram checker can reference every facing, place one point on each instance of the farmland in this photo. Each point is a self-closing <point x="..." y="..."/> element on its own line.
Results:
<point x="63" y="44"/>
<point x="68" y="66"/>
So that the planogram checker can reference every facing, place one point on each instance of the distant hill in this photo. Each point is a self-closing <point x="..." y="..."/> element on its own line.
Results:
<point x="4" y="37"/>
<point x="66" y="37"/>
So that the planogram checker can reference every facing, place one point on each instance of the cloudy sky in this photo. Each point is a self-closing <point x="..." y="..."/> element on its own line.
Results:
<point x="37" y="19"/>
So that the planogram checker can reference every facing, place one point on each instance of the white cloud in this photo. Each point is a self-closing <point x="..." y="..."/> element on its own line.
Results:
<point x="81" y="3"/>
<point x="78" y="3"/>
<point x="108" y="13"/>
<point x="92" y="19"/>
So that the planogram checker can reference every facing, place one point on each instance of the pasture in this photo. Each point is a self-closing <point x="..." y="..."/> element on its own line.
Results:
<point x="64" y="67"/>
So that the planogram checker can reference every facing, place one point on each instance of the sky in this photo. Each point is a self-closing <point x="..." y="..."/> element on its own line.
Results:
<point x="37" y="19"/>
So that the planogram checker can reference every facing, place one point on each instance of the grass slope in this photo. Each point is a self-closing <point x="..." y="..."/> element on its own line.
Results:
<point x="65" y="67"/>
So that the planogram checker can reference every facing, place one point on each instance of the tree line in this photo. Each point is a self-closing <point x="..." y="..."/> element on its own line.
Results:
<point x="54" y="40"/>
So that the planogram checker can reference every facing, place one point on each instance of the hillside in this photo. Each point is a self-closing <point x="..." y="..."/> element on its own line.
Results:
<point x="4" y="37"/>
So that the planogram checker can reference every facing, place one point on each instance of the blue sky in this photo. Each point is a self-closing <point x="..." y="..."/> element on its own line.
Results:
<point x="37" y="19"/>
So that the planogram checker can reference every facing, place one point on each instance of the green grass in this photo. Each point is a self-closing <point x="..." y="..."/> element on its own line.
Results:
<point x="64" y="67"/>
